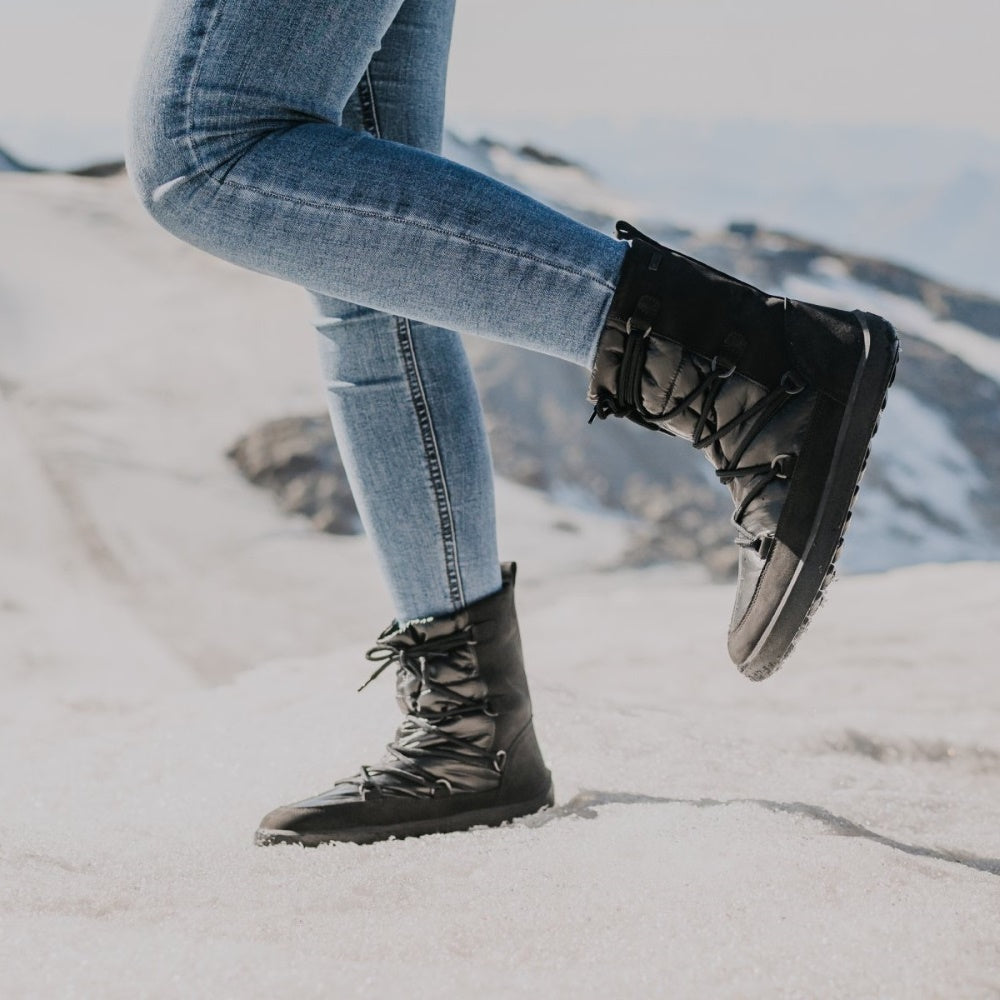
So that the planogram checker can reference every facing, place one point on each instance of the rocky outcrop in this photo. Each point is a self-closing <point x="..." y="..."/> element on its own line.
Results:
<point x="296" y="458"/>
<point x="109" y="168"/>
<point x="13" y="164"/>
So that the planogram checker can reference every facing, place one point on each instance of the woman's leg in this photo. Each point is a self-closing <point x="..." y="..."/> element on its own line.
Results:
<point x="401" y="395"/>
<point x="409" y="426"/>
<point x="239" y="148"/>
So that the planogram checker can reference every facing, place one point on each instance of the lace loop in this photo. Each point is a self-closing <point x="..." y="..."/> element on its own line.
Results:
<point x="700" y="402"/>
<point x="424" y="740"/>
<point x="731" y="369"/>
<point x="791" y="383"/>
<point x="629" y="331"/>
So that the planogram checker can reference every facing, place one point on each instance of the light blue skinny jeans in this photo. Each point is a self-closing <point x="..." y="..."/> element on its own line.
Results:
<point x="302" y="140"/>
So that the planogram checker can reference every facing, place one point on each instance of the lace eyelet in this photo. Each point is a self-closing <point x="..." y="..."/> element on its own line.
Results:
<point x="717" y="362"/>
<point x="764" y="544"/>
<point x="489" y="711"/>
<point x="445" y="784"/>
<point x="778" y="465"/>
<point x="499" y="760"/>
<point x="628" y="328"/>
<point x="792" y="384"/>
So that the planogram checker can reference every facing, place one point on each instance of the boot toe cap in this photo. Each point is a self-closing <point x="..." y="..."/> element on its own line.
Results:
<point x="310" y="821"/>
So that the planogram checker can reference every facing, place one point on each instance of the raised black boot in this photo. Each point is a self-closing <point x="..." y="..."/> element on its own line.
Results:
<point x="784" y="398"/>
<point x="465" y="754"/>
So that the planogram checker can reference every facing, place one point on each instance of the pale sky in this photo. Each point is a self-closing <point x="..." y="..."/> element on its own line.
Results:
<point x="858" y="61"/>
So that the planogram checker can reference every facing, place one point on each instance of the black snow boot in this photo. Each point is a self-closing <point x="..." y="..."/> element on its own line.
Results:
<point x="784" y="398"/>
<point x="465" y="754"/>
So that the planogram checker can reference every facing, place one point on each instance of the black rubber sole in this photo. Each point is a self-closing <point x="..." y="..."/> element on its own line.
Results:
<point x="494" y="816"/>
<point x="817" y="565"/>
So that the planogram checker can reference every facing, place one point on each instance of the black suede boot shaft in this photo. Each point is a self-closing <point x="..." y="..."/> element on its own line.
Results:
<point x="782" y="396"/>
<point x="464" y="755"/>
<point x="692" y="307"/>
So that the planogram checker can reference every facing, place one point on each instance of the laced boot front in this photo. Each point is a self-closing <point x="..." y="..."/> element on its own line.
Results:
<point x="783" y="397"/>
<point x="465" y="753"/>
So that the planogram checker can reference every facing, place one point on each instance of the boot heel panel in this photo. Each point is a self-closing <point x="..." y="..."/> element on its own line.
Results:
<point x="878" y="370"/>
<point x="525" y="776"/>
<point x="883" y="342"/>
<point x="818" y="555"/>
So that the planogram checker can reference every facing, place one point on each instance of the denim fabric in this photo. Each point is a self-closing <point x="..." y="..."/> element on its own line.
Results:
<point x="300" y="140"/>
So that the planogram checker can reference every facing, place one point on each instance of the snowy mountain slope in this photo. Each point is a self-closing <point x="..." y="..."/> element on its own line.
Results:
<point x="547" y="176"/>
<point x="949" y="420"/>
<point x="128" y="366"/>
<point x="177" y="657"/>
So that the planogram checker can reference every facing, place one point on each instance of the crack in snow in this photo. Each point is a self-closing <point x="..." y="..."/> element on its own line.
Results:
<point x="584" y="805"/>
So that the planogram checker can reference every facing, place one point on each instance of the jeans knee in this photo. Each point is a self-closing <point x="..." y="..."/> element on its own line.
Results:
<point x="172" y="186"/>
<point x="170" y="202"/>
<point x="158" y="166"/>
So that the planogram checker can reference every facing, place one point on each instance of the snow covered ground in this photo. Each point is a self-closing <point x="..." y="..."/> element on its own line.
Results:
<point x="176" y="658"/>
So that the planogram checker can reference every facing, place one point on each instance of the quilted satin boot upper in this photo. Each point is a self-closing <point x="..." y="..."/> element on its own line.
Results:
<point x="465" y="752"/>
<point x="447" y="736"/>
<point x="782" y="397"/>
<point x="701" y="356"/>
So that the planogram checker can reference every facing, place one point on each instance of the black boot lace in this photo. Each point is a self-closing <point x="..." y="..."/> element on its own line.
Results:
<point x="424" y="747"/>
<point x="700" y="404"/>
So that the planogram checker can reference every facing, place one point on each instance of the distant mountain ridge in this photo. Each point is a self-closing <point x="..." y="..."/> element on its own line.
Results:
<point x="936" y="497"/>
<point x="928" y="196"/>
<point x="12" y="164"/>
<point x="933" y="488"/>
<point x="9" y="162"/>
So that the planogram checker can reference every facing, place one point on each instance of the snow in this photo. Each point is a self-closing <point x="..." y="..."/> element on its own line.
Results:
<point x="177" y="657"/>
<point x="803" y="838"/>
<point x="941" y="472"/>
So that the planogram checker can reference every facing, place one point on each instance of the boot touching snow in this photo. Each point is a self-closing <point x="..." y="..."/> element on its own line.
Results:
<point x="465" y="753"/>
<point x="783" y="397"/>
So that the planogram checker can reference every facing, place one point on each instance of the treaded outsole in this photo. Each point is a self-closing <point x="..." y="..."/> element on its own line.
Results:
<point x="498" y="816"/>
<point x="762" y="671"/>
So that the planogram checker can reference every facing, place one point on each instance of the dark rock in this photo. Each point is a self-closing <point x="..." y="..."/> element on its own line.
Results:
<point x="110" y="169"/>
<point x="13" y="164"/>
<point x="549" y="159"/>
<point x="297" y="459"/>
